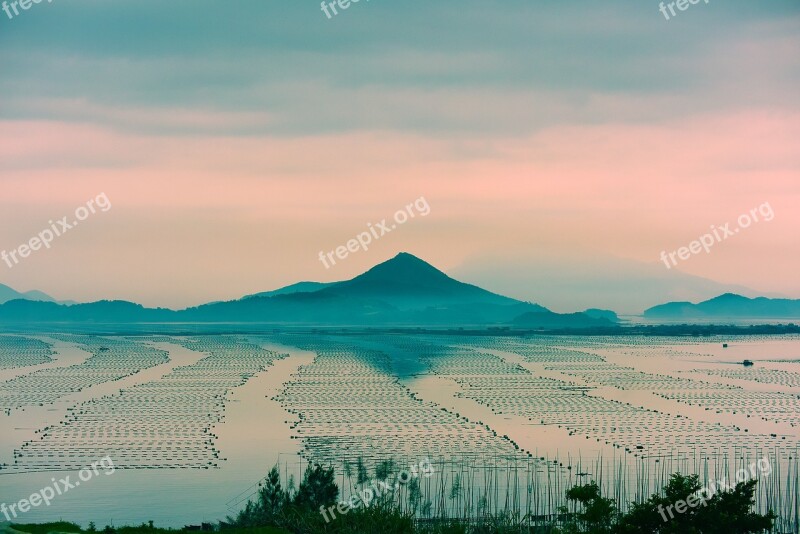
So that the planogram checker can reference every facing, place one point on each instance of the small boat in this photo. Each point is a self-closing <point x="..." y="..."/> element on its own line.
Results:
<point x="724" y="345"/>
<point x="747" y="363"/>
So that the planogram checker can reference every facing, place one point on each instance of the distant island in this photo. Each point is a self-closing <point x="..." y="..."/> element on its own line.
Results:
<point x="726" y="307"/>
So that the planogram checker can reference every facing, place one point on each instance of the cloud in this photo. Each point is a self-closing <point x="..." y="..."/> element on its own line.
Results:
<point x="280" y="68"/>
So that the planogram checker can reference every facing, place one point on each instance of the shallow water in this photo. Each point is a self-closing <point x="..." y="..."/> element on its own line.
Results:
<point x="241" y="404"/>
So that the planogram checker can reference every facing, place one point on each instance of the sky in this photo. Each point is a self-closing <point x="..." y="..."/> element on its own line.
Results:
<point x="560" y="146"/>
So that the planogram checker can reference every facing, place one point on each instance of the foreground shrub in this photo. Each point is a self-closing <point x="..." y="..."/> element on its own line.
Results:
<point x="726" y="512"/>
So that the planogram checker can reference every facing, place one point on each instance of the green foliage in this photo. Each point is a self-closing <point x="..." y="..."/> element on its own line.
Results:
<point x="380" y="518"/>
<point x="449" y="527"/>
<point x="295" y="511"/>
<point x="597" y="513"/>
<point x="276" y="510"/>
<point x="502" y="523"/>
<point x="455" y="488"/>
<point x="271" y="497"/>
<point x="414" y="494"/>
<point x="730" y="512"/>
<point x="384" y="469"/>
<point x="59" y="526"/>
<point x="361" y="470"/>
<point x="269" y="504"/>
<point x="725" y="512"/>
<point x="145" y="528"/>
<point x="318" y="488"/>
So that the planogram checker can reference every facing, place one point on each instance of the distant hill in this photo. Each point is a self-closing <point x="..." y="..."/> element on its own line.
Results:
<point x="407" y="282"/>
<point x="299" y="287"/>
<point x="7" y="294"/>
<point x="104" y="311"/>
<point x="728" y="305"/>
<point x="602" y="314"/>
<point x="404" y="290"/>
<point x="552" y="320"/>
<point x="576" y="281"/>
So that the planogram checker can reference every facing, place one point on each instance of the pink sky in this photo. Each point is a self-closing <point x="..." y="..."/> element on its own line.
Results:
<point x="545" y="136"/>
<point x="198" y="219"/>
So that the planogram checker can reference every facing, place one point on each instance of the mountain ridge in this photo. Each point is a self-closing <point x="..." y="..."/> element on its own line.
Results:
<point x="727" y="305"/>
<point x="8" y="293"/>
<point x="402" y="290"/>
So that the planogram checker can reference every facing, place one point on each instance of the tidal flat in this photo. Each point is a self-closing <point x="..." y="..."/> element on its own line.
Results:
<point x="194" y="422"/>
